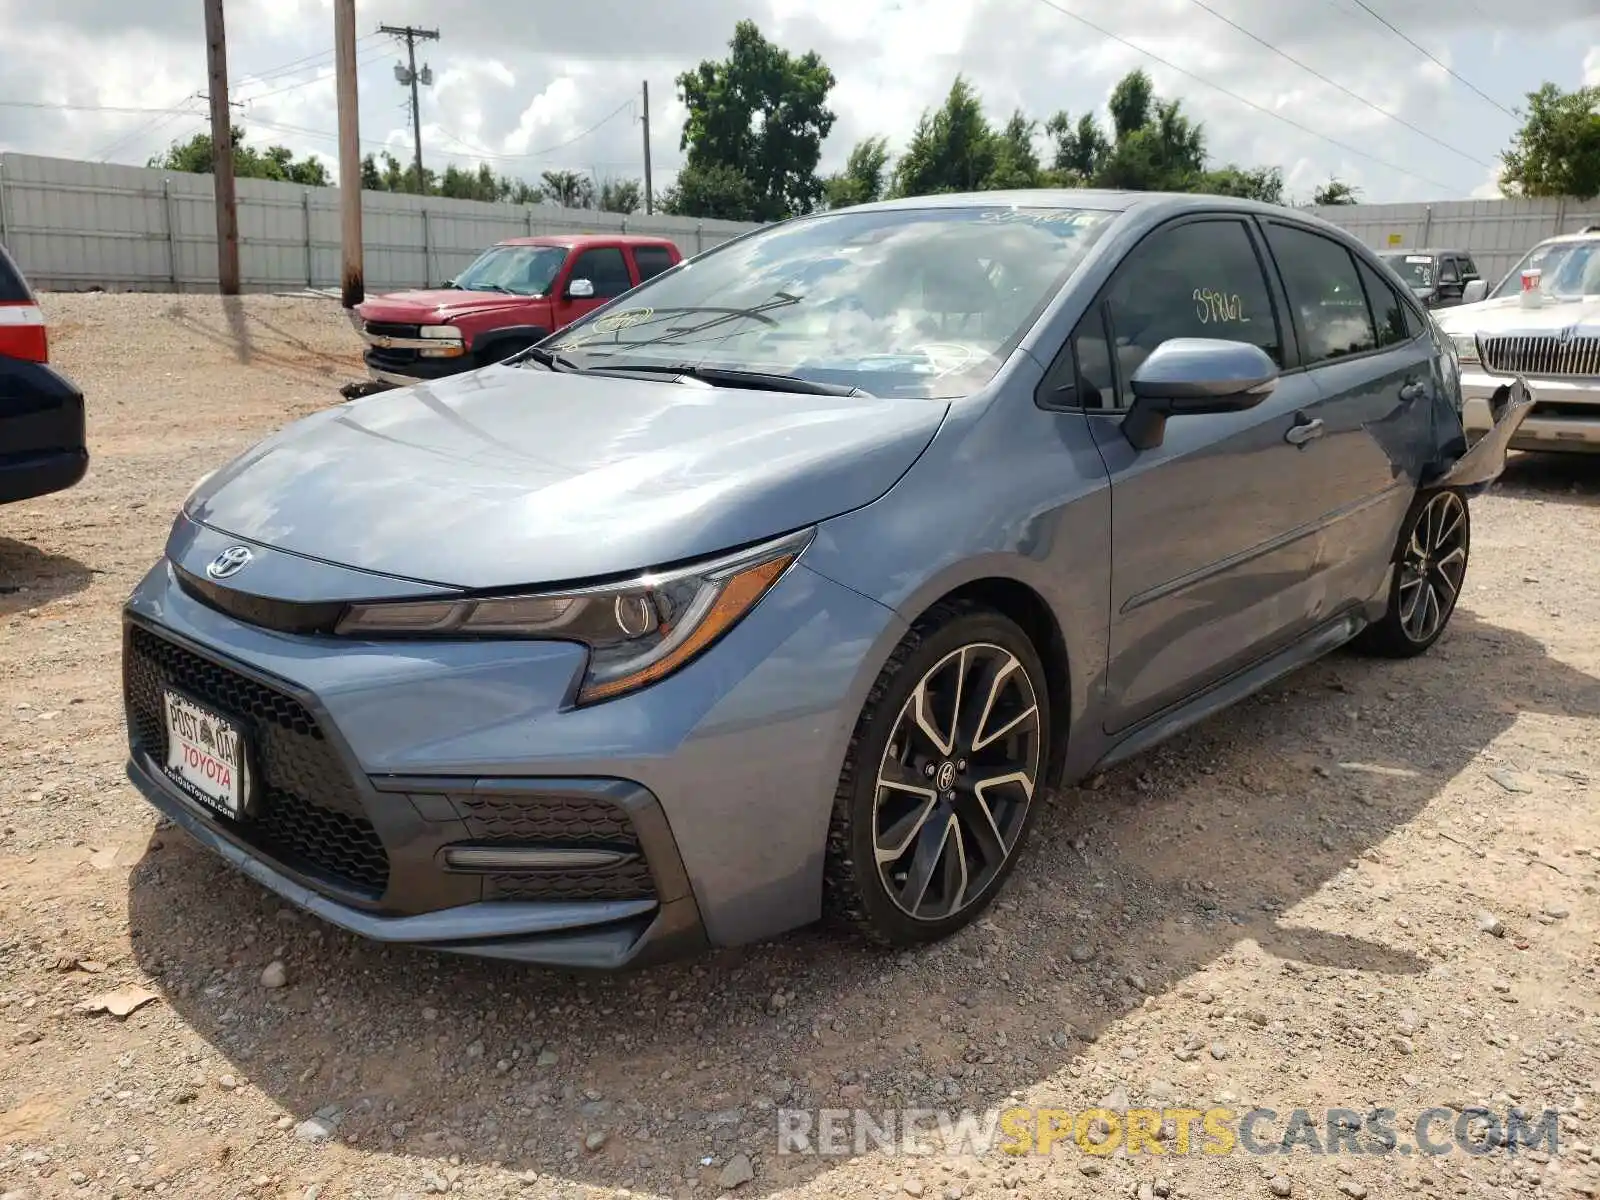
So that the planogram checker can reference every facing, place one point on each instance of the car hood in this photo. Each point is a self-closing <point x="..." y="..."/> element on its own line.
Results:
<point x="1507" y="315"/>
<point x="437" y="305"/>
<point x="512" y="476"/>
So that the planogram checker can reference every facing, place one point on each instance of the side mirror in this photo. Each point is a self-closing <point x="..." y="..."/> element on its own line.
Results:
<point x="1475" y="291"/>
<point x="1190" y="376"/>
<point x="581" y="289"/>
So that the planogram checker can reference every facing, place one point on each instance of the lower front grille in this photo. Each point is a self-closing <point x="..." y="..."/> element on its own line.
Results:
<point x="559" y="822"/>
<point x="1550" y="356"/>
<point x="311" y="817"/>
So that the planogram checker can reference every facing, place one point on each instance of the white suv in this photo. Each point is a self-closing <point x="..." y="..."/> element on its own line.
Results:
<point x="1551" y="338"/>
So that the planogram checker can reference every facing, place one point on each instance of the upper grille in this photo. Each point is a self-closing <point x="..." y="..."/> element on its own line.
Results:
<point x="1548" y="355"/>
<point x="311" y="817"/>
<point x="563" y="821"/>
<point x="389" y="329"/>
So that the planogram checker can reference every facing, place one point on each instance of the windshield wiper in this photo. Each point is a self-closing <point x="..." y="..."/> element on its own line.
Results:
<point x="761" y="381"/>
<point x="756" y="312"/>
<point x="549" y="359"/>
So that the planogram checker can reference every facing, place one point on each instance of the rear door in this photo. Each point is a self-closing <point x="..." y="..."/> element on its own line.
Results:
<point x="651" y="261"/>
<point x="1366" y="349"/>
<point x="1209" y="555"/>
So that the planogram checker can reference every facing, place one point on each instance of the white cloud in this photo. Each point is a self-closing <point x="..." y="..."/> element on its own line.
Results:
<point x="512" y="81"/>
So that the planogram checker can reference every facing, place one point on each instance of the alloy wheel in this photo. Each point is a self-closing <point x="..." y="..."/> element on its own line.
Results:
<point x="1433" y="566"/>
<point x="956" y="780"/>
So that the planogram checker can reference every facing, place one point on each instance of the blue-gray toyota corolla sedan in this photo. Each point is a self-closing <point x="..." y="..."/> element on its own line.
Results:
<point x="784" y="585"/>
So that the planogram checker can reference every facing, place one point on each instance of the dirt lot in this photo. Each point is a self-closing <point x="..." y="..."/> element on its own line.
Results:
<point x="1373" y="886"/>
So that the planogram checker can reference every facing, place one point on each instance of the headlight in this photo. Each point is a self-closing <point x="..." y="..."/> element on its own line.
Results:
<point x="637" y="632"/>
<point x="449" y="338"/>
<point x="198" y="484"/>
<point x="1466" y="346"/>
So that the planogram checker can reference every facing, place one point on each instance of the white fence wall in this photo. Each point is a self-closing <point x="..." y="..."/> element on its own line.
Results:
<point x="75" y="225"/>
<point x="1496" y="232"/>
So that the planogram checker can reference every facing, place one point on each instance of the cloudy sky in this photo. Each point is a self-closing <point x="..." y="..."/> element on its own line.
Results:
<point x="534" y="86"/>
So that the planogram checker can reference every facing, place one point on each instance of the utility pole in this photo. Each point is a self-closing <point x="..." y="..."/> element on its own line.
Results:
<point x="222" y="152"/>
<point x="352" y="274"/>
<point x="649" y="194"/>
<point x="410" y="76"/>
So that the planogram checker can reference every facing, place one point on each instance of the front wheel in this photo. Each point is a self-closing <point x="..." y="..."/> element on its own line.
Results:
<point x="1429" y="574"/>
<point x="937" y="792"/>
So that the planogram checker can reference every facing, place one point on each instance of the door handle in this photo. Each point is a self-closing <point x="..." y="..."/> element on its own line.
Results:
<point x="1304" y="432"/>
<point x="1413" y="390"/>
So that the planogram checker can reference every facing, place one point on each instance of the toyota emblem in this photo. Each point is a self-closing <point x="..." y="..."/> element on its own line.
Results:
<point x="230" y="562"/>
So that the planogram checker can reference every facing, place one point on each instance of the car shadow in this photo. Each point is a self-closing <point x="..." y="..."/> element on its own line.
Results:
<point x="1561" y="478"/>
<point x="30" y="577"/>
<point x="1131" y="886"/>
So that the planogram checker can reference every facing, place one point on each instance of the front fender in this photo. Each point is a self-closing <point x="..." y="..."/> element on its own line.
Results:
<point x="1482" y="464"/>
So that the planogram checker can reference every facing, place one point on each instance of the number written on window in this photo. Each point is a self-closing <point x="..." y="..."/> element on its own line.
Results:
<point x="1214" y="307"/>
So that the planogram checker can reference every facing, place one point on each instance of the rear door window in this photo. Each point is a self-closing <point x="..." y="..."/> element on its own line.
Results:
<point x="1325" y="293"/>
<point x="651" y="261"/>
<point x="1388" y="310"/>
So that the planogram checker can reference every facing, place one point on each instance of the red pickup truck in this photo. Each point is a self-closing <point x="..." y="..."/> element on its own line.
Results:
<point x="515" y="294"/>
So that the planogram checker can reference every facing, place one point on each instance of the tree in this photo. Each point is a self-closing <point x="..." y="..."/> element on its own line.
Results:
<point x="1016" y="162"/>
<point x="569" y="189"/>
<point x="1166" y="152"/>
<point x="1130" y="104"/>
<point x="1080" y="149"/>
<point x="865" y="175"/>
<point x="952" y="150"/>
<point x="1260" y="183"/>
<point x="276" y="162"/>
<point x="1336" y="191"/>
<point x="715" y="192"/>
<point x="621" y="196"/>
<point x="763" y="113"/>
<point x="1557" y="150"/>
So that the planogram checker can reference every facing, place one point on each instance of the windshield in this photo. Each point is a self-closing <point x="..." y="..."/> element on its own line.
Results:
<point x="909" y="302"/>
<point x="522" y="270"/>
<point x="1566" y="269"/>
<point x="1415" y="270"/>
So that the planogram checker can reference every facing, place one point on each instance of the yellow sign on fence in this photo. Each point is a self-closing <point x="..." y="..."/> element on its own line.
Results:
<point x="1395" y="239"/>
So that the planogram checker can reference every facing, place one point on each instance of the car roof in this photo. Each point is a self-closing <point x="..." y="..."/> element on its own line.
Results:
<point x="576" y="240"/>
<point x="1150" y="206"/>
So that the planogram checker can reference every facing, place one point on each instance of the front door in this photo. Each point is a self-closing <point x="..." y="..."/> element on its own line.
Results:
<point x="606" y="271"/>
<point x="1210" y="558"/>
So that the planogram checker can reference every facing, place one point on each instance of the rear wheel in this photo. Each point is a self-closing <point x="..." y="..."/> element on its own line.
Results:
<point x="1429" y="572"/>
<point x="937" y="792"/>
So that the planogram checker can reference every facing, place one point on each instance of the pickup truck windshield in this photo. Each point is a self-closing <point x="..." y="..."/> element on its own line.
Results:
<point x="909" y="302"/>
<point x="1567" y="269"/>
<point x="1415" y="270"/>
<point x="520" y="270"/>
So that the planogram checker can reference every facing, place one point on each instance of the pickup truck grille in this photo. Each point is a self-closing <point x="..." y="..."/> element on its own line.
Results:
<point x="1549" y="356"/>
<point x="388" y="329"/>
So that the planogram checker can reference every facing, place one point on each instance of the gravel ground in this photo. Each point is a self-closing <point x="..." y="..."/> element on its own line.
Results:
<point x="1374" y="885"/>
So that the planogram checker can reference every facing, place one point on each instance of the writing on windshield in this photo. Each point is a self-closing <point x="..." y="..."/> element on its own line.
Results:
<point x="922" y="302"/>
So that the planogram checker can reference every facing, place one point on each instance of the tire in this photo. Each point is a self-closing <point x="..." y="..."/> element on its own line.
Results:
<point x="1430" y="568"/>
<point x="961" y="802"/>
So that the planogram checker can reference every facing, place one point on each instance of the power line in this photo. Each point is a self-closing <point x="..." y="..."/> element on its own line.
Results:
<point x="365" y="62"/>
<point x="105" y="108"/>
<point x="1383" y="112"/>
<point x="1248" y="103"/>
<point x="1382" y="20"/>
<point x="409" y="76"/>
<point x="548" y="150"/>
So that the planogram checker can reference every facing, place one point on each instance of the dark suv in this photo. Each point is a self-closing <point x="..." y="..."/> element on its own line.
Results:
<point x="1438" y="278"/>
<point x="42" y="445"/>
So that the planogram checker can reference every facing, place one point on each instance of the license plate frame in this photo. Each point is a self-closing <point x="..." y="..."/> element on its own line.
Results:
<point x="208" y="755"/>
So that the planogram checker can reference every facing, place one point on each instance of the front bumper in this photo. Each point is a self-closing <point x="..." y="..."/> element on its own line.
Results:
<point x="374" y="758"/>
<point x="404" y="368"/>
<point x="1566" y="415"/>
